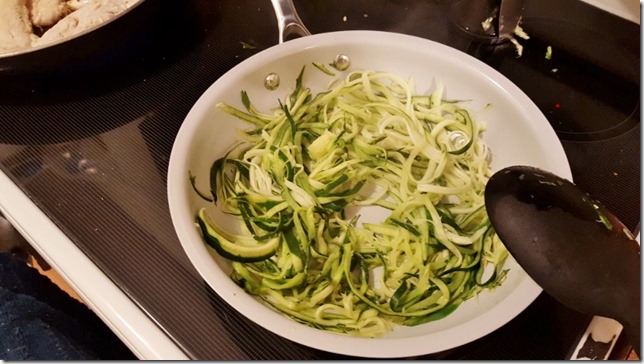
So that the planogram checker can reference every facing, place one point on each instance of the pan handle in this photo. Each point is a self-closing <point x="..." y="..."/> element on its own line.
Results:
<point x="288" y="22"/>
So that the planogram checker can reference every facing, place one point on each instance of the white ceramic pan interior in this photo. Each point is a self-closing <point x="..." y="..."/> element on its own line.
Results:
<point x="518" y="133"/>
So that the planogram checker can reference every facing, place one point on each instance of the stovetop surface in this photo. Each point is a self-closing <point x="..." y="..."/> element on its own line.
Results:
<point x="89" y="143"/>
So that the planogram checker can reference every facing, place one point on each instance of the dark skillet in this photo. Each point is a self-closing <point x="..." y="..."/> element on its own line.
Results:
<point x="87" y="44"/>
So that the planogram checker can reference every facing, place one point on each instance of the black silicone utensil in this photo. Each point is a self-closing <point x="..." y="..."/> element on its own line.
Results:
<point x="571" y="245"/>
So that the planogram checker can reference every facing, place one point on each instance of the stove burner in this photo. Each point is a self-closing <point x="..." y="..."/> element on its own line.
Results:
<point x="588" y="89"/>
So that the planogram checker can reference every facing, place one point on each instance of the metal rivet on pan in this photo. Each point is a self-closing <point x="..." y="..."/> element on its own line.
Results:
<point x="272" y="81"/>
<point x="341" y="62"/>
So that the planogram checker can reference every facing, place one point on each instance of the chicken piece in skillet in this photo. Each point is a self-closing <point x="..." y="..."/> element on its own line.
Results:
<point x="77" y="4"/>
<point x="45" y="13"/>
<point x="15" y="27"/>
<point x="86" y="17"/>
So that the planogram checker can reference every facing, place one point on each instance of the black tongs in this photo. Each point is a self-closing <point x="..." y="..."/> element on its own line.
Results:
<point x="510" y="12"/>
<point x="494" y="21"/>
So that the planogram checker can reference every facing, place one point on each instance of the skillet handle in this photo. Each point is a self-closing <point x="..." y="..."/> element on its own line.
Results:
<point x="288" y="22"/>
<point x="633" y="332"/>
<point x="632" y="323"/>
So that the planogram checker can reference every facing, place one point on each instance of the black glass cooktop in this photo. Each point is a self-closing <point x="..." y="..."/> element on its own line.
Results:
<point x="89" y="140"/>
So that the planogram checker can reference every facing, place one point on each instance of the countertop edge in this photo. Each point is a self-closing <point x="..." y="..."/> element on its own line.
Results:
<point x="145" y="339"/>
<point x="624" y="9"/>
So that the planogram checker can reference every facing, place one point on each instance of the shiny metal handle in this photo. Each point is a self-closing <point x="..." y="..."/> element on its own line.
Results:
<point x="288" y="22"/>
<point x="510" y="12"/>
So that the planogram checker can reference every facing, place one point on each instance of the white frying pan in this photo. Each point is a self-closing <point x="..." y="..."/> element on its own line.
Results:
<point x="518" y="134"/>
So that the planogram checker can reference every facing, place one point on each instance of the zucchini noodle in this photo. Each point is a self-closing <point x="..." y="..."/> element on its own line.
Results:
<point x="368" y="140"/>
